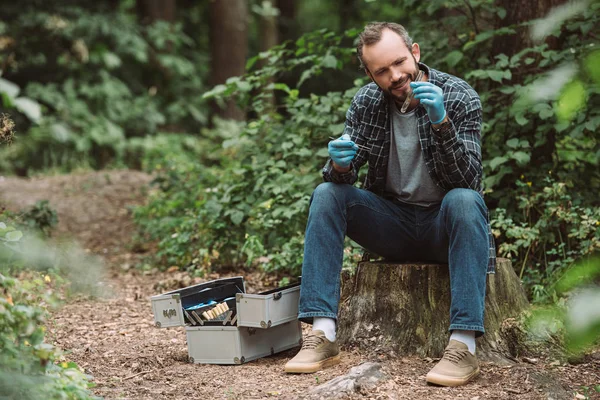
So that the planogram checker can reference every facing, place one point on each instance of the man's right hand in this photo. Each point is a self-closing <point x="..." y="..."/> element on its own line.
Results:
<point x="342" y="151"/>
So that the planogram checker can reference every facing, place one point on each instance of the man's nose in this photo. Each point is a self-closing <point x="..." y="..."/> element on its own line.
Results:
<point x="396" y="75"/>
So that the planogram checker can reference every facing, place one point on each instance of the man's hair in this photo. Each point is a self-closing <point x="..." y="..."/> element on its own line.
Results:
<point x="372" y="34"/>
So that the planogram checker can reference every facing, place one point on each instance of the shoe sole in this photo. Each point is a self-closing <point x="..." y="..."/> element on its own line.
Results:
<point x="307" y="368"/>
<point x="444" y="380"/>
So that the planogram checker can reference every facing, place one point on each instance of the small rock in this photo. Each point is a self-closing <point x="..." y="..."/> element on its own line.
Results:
<point x="360" y="378"/>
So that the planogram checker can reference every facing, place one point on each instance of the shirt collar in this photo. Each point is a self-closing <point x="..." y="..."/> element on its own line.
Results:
<point x="431" y="73"/>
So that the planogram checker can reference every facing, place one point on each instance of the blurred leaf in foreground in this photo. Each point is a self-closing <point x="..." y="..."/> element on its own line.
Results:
<point x="571" y="100"/>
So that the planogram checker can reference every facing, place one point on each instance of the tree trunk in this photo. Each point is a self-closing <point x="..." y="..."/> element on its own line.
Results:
<point x="268" y="39"/>
<point x="348" y="13"/>
<point x="228" y="47"/>
<point x="517" y="12"/>
<point x="150" y="11"/>
<point x="405" y="307"/>
<point x="287" y="20"/>
<point x="113" y="5"/>
<point x="268" y="28"/>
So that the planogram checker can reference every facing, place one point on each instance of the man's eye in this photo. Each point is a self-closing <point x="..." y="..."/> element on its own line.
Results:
<point x="398" y="62"/>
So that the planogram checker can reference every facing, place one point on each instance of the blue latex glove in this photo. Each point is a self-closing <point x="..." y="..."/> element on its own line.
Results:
<point x="432" y="99"/>
<point x="342" y="151"/>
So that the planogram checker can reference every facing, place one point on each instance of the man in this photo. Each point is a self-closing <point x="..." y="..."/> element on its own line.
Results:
<point x="421" y="198"/>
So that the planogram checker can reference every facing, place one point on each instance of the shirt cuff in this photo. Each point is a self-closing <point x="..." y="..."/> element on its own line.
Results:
<point x="339" y="177"/>
<point x="446" y="136"/>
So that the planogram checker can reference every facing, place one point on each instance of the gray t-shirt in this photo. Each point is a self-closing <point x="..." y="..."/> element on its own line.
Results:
<point x="407" y="176"/>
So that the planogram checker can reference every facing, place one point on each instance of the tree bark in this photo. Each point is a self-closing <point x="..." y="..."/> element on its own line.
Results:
<point x="113" y="4"/>
<point x="268" y="38"/>
<point x="517" y="12"/>
<point x="348" y="13"/>
<point x="287" y="20"/>
<point x="405" y="307"/>
<point x="228" y="47"/>
<point x="150" y="11"/>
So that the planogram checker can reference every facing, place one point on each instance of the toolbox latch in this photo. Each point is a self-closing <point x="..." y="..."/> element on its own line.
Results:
<point x="277" y="296"/>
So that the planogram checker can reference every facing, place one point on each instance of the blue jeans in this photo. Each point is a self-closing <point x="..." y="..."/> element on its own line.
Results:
<point x="453" y="232"/>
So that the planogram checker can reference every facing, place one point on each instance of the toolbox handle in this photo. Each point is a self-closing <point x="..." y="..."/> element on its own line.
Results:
<point x="277" y="296"/>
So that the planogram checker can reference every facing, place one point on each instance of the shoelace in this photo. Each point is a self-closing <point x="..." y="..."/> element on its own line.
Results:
<point x="311" y="342"/>
<point x="455" y="355"/>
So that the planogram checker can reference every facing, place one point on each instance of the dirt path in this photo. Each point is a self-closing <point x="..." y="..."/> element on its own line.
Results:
<point x="115" y="341"/>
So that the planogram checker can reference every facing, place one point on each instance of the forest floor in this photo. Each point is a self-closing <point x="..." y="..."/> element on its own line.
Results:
<point x="113" y="338"/>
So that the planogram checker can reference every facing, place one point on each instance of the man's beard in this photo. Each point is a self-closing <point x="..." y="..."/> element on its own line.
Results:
<point x="412" y="77"/>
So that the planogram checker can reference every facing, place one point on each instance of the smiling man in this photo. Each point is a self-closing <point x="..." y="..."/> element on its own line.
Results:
<point x="421" y="199"/>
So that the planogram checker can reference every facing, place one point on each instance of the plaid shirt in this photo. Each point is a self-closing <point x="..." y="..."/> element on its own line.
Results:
<point x="453" y="157"/>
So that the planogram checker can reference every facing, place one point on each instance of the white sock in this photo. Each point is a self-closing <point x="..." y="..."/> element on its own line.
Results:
<point x="466" y="337"/>
<point x="327" y="325"/>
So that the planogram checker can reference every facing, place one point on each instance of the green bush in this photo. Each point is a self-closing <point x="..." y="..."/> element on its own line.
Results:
<point x="545" y="142"/>
<point x="249" y="204"/>
<point x="552" y="233"/>
<point x="29" y="367"/>
<point x="100" y="79"/>
<point x="574" y="316"/>
<point x="40" y="217"/>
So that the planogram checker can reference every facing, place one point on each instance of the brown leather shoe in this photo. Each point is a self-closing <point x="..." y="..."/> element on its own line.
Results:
<point x="457" y="367"/>
<point x="317" y="353"/>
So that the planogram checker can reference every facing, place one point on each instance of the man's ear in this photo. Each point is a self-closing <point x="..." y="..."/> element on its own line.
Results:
<point x="416" y="51"/>
<point x="369" y="74"/>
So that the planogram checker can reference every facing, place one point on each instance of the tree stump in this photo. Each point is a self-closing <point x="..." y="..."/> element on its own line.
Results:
<point x="406" y="307"/>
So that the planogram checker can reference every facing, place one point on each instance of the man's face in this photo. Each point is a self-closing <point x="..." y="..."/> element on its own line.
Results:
<point x="391" y="65"/>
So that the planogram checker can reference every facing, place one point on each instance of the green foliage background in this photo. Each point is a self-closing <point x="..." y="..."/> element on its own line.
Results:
<point x="31" y="368"/>
<point x="249" y="204"/>
<point x="100" y="78"/>
<point x="95" y="88"/>
<point x="233" y="193"/>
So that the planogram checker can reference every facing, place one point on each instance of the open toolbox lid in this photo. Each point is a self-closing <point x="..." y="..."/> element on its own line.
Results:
<point x="169" y="309"/>
<point x="262" y="310"/>
<point x="267" y="309"/>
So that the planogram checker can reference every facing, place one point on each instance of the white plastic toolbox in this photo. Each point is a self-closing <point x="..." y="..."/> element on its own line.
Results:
<point x="256" y="325"/>
<point x="237" y="345"/>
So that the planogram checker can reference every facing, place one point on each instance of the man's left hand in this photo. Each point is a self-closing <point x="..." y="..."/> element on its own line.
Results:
<point x="432" y="99"/>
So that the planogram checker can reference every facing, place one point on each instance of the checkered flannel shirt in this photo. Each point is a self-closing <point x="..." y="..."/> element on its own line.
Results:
<point x="453" y="158"/>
